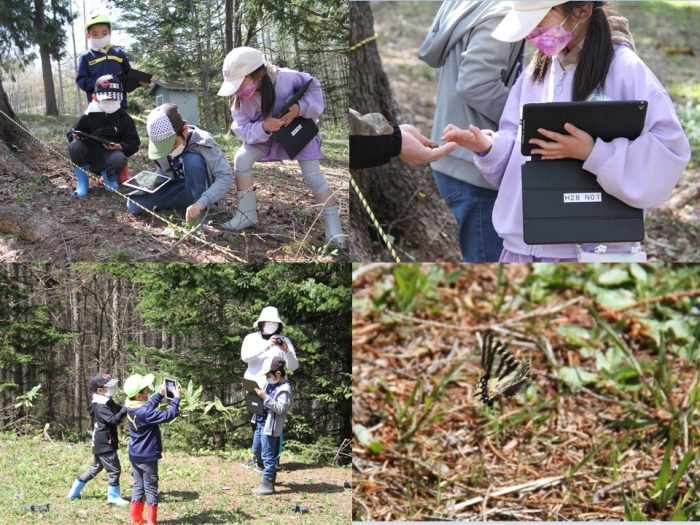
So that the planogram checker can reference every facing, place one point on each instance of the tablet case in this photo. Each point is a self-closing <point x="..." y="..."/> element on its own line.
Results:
<point x="253" y="403"/>
<point x="605" y="119"/>
<point x="93" y="138"/>
<point x="130" y="81"/>
<point x="299" y="132"/>
<point x="249" y="385"/>
<point x="562" y="202"/>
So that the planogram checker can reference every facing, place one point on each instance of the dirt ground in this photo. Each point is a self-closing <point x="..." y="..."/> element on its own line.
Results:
<point x="40" y="220"/>
<point x="671" y="49"/>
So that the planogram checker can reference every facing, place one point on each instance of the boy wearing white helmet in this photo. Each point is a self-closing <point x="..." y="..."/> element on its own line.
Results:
<point x="258" y="92"/>
<point x="145" y="444"/>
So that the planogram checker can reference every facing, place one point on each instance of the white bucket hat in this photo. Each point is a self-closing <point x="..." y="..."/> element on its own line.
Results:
<point x="522" y="19"/>
<point x="269" y="314"/>
<point x="240" y="61"/>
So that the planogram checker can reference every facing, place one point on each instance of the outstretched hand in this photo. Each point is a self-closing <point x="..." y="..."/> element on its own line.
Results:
<point x="473" y="139"/>
<point x="417" y="149"/>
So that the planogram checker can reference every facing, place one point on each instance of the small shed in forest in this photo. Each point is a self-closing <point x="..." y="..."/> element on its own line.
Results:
<point x="184" y="94"/>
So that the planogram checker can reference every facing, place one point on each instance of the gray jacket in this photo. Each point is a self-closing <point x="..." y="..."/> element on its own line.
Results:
<point x="219" y="174"/>
<point x="279" y="405"/>
<point x="475" y="73"/>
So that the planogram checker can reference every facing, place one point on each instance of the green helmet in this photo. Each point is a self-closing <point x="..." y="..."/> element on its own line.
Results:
<point x="97" y="19"/>
<point x="135" y="383"/>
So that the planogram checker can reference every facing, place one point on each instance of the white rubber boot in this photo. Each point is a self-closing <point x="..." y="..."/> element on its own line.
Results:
<point x="246" y="214"/>
<point x="334" y="232"/>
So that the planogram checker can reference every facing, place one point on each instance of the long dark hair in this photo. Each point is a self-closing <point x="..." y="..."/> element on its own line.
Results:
<point x="595" y="58"/>
<point x="267" y="92"/>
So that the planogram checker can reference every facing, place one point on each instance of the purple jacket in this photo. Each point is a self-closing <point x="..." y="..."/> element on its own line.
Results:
<point x="640" y="172"/>
<point x="248" y="120"/>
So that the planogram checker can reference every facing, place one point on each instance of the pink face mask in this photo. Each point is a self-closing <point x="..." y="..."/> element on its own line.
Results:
<point x="246" y="92"/>
<point x="550" y="40"/>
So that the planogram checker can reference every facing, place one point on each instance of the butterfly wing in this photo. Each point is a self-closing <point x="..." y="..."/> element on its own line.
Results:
<point x="503" y="374"/>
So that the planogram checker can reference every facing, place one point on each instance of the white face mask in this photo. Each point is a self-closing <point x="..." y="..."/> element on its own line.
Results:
<point x="99" y="43"/>
<point x="271" y="380"/>
<point x="178" y="151"/>
<point x="111" y="390"/>
<point x="270" y="328"/>
<point x="109" y="106"/>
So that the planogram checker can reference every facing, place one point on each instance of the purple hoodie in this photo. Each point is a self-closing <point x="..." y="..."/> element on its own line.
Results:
<point x="640" y="172"/>
<point x="248" y="120"/>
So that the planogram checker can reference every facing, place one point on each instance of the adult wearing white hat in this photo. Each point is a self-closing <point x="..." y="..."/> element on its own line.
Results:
<point x="259" y="348"/>
<point x="258" y="92"/>
<point x="582" y="55"/>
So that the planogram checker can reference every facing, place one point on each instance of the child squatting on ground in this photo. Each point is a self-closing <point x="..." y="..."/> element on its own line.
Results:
<point x="106" y="119"/>
<point x="145" y="444"/>
<point x="106" y="416"/>
<point x="582" y="55"/>
<point x="258" y="92"/>
<point x="199" y="173"/>
<point x="277" y="401"/>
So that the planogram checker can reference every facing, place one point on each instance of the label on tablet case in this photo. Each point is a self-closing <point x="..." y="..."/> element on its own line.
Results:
<point x="296" y="130"/>
<point x="583" y="197"/>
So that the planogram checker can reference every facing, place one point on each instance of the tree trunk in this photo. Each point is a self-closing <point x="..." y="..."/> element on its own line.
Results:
<point x="45" y="55"/>
<point x="405" y="200"/>
<point x="10" y="133"/>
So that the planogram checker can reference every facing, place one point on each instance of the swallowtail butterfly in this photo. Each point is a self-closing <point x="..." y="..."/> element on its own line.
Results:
<point x="503" y="374"/>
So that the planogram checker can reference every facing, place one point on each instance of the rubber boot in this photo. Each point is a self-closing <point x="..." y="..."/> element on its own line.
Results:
<point x="123" y="175"/>
<point x="334" y="232"/>
<point x="136" y="514"/>
<point x="110" y="185"/>
<point x="114" y="497"/>
<point x="266" y="487"/>
<point x="246" y="214"/>
<point x="152" y="515"/>
<point x="81" y="174"/>
<point x="74" y="492"/>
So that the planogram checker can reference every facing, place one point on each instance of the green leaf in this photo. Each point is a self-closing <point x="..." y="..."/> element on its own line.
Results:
<point x="364" y="436"/>
<point x="615" y="299"/>
<point x="576" y="376"/>
<point x="614" y="276"/>
<point x="576" y="335"/>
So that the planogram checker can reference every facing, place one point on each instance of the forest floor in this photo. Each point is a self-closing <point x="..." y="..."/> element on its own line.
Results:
<point x="193" y="489"/>
<point x="667" y="36"/>
<point x="40" y="220"/>
<point x="606" y="431"/>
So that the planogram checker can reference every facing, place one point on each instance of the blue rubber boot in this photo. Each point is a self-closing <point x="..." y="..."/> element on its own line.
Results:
<point x="110" y="185"/>
<point x="81" y="174"/>
<point x="74" y="492"/>
<point x="114" y="497"/>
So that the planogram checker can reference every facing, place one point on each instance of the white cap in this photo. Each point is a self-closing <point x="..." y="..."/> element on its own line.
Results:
<point x="241" y="61"/>
<point x="522" y="19"/>
<point x="269" y="314"/>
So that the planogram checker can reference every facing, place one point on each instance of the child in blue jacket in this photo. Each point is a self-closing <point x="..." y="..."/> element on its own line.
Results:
<point x="145" y="445"/>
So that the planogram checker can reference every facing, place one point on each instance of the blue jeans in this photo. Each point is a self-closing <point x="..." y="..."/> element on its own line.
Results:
<point x="176" y="195"/>
<point x="266" y="447"/>
<point x="472" y="206"/>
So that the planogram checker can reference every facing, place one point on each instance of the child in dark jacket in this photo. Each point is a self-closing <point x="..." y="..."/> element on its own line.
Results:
<point x="106" y="119"/>
<point x="101" y="57"/>
<point x="106" y="416"/>
<point x="145" y="445"/>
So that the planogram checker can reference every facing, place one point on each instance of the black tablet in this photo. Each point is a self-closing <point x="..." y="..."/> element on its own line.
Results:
<point x="93" y="138"/>
<point x="607" y="120"/>
<point x="294" y="97"/>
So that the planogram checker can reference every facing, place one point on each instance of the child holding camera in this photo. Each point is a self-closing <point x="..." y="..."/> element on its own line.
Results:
<point x="145" y="445"/>
<point x="277" y="397"/>
<point x="266" y="343"/>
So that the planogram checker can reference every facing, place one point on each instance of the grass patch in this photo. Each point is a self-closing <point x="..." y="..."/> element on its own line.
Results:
<point x="608" y="429"/>
<point x="202" y="489"/>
